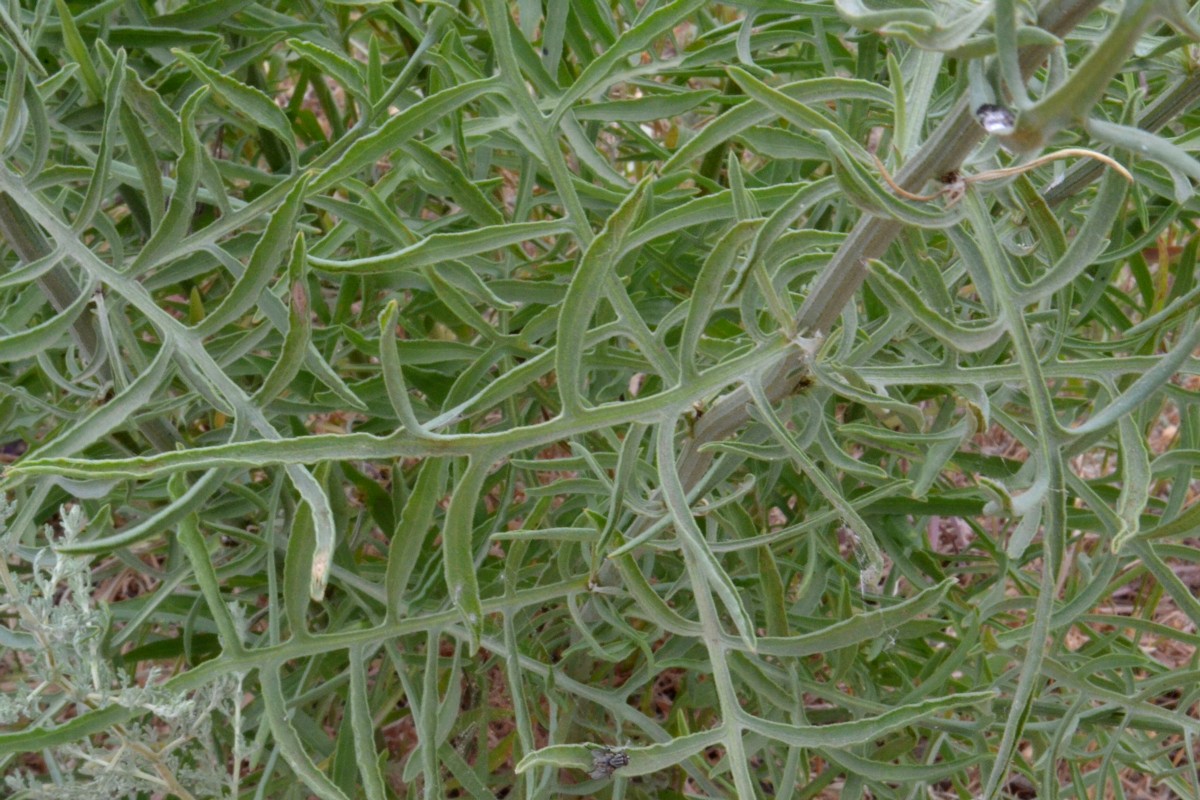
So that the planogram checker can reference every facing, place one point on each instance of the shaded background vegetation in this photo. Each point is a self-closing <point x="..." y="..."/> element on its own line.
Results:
<point x="412" y="399"/>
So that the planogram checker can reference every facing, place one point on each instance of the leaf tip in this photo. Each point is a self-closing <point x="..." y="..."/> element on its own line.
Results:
<point x="320" y="577"/>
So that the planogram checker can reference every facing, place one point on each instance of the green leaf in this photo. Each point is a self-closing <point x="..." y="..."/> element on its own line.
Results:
<point x="443" y="246"/>
<point x="464" y="181"/>
<point x="583" y="295"/>
<point x="410" y="533"/>
<point x="347" y="72"/>
<point x="466" y="193"/>
<point x="297" y="571"/>
<point x="99" y="180"/>
<point x="857" y="629"/>
<point x="396" y="131"/>
<point x="708" y="572"/>
<point x="245" y="101"/>
<point x="175" y="224"/>
<point x="271" y="247"/>
<point x="1071" y="101"/>
<point x="299" y="332"/>
<point x="707" y="291"/>
<point x="13" y="33"/>
<point x="969" y="338"/>
<point x="114" y="413"/>
<point x="643" y="760"/>
<point x="363" y="727"/>
<point x="645" y="109"/>
<point x="1178" y="163"/>
<point x="844" y="734"/>
<point x="943" y="30"/>
<point x="744" y="116"/>
<point x="206" y="578"/>
<point x="793" y="110"/>
<point x="288" y="740"/>
<point x="1136" y="481"/>
<point x="862" y="190"/>
<point x="458" y="550"/>
<point x="866" y="538"/>
<point x="28" y="343"/>
<point x="77" y="48"/>
<point x="634" y="40"/>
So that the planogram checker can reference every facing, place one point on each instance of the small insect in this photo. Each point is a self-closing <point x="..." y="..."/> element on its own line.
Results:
<point x="996" y="120"/>
<point x="606" y="761"/>
<point x="803" y="383"/>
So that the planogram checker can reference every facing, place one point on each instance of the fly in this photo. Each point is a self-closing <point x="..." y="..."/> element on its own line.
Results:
<point x="606" y="761"/>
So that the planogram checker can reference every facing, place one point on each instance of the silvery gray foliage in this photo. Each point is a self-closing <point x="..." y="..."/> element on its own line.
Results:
<point x="58" y="631"/>
<point x="493" y="328"/>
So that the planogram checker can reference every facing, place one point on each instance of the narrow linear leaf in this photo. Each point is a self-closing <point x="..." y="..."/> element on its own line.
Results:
<point x="146" y="161"/>
<point x="468" y="281"/>
<point x="458" y="549"/>
<point x="324" y="528"/>
<point x="1087" y="245"/>
<point x="632" y="41"/>
<point x="1143" y="387"/>
<point x="98" y="183"/>
<point x="1005" y="15"/>
<point x="442" y="246"/>
<point x="299" y="332"/>
<point x="162" y="521"/>
<point x="866" y="538"/>
<point x="346" y="71"/>
<point x="77" y="48"/>
<point x="177" y="220"/>
<point x="114" y="413"/>
<point x="742" y="117"/>
<point x="411" y="531"/>
<point x="895" y="773"/>
<point x="585" y="291"/>
<point x="918" y="26"/>
<point x="643" y="760"/>
<point x="363" y="727"/>
<point x="645" y="109"/>
<point x="844" y="734"/>
<point x="13" y="33"/>
<point x="548" y="534"/>
<point x="792" y="110"/>
<point x="243" y="100"/>
<point x="288" y="741"/>
<point x="297" y="571"/>
<point x="464" y="191"/>
<point x="298" y="450"/>
<point x="393" y="374"/>
<point x="969" y="338"/>
<point x="1072" y="100"/>
<point x="707" y="291"/>
<point x="857" y="629"/>
<point x="399" y="129"/>
<point x="1136" y="481"/>
<point x="271" y="247"/>
<point x="1144" y="144"/>
<point x="39" y="338"/>
<point x="460" y="306"/>
<point x="154" y="111"/>
<point x="860" y="187"/>
<point x="692" y="540"/>
<point x="206" y="578"/>
<point x="1179" y="591"/>
<point x="80" y="727"/>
